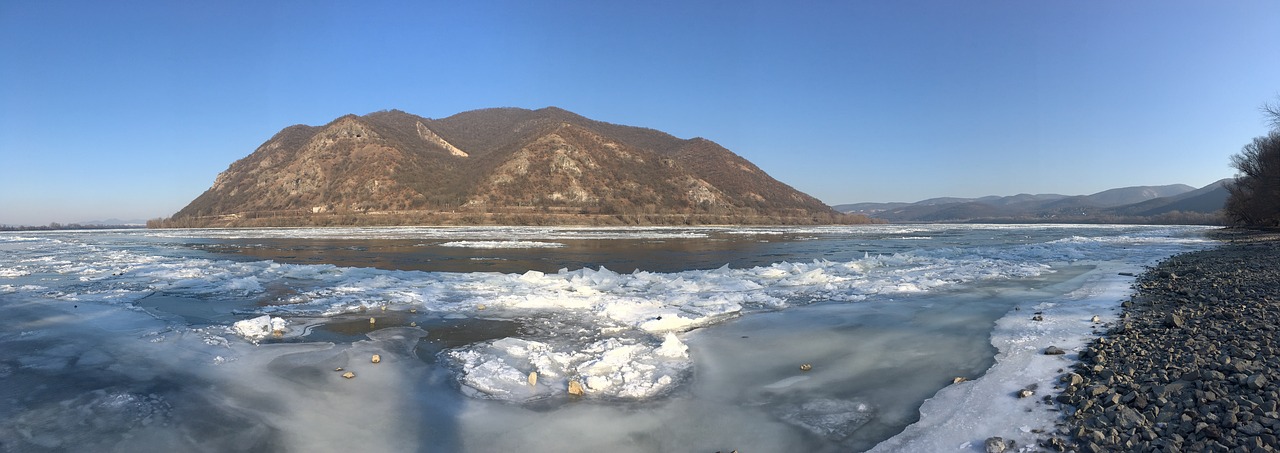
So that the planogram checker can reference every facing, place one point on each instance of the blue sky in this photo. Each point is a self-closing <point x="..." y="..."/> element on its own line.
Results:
<point x="131" y="109"/>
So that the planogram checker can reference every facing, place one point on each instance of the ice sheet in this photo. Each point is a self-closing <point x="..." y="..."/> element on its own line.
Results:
<point x="629" y="313"/>
<point x="622" y="336"/>
<point x="961" y="417"/>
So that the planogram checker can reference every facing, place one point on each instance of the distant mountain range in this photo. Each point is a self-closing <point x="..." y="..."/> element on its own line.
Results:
<point x="1178" y="203"/>
<point x="115" y="221"/>
<point x="493" y="166"/>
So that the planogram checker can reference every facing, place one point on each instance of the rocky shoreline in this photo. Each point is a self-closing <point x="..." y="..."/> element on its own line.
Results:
<point x="1193" y="363"/>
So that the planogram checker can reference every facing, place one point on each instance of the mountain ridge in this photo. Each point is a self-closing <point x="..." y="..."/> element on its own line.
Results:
<point x="1175" y="203"/>
<point x="493" y="166"/>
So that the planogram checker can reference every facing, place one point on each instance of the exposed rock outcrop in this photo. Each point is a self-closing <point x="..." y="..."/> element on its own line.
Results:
<point x="510" y="166"/>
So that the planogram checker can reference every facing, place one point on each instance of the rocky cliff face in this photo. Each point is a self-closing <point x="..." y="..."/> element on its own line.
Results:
<point x="493" y="166"/>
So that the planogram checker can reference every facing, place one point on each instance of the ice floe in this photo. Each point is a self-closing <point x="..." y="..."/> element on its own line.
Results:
<point x="611" y="368"/>
<point x="501" y="244"/>
<point x="260" y="327"/>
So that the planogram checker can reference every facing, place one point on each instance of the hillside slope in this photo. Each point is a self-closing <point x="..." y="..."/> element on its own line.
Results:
<point x="1177" y="203"/>
<point x="493" y="166"/>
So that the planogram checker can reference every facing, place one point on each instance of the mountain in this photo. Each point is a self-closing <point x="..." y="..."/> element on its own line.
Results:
<point x="1131" y="195"/>
<point x="114" y="222"/>
<point x="1209" y="198"/>
<point x="503" y="166"/>
<point x="1177" y="203"/>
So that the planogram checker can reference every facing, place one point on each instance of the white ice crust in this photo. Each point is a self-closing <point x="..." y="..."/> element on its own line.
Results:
<point x="962" y="416"/>
<point x="501" y="244"/>
<point x="614" y="368"/>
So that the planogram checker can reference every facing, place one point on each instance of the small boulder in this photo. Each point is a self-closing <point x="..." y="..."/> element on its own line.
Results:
<point x="575" y="388"/>
<point x="533" y="378"/>
<point x="1073" y="379"/>
<point x="348" y="375"/>
<point x="1174" y="321"/>
<point x="1054" y="350"/>
<point x="996" y="445"/>
<point x="806" y="367"/>
<point x="376" y="358"/>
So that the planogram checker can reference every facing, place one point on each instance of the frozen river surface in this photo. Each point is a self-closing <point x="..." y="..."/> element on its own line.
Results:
<point x="551" y="339"/>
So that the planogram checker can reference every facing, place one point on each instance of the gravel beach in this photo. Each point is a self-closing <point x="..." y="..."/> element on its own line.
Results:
<point x="1193" y="363"/>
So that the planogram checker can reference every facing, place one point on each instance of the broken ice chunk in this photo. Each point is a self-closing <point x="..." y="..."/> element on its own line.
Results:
<point x="260" y="327"/>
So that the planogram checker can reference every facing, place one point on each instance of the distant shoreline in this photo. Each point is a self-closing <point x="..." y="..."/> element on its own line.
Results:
<point x="67" y="227"/>
<point x="463" y="218"/>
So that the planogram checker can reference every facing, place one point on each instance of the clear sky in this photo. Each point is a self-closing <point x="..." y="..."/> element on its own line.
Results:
<point x="130" y="109"/>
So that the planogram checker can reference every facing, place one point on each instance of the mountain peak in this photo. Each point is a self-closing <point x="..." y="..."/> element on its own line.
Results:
<point x="503" y="165"/>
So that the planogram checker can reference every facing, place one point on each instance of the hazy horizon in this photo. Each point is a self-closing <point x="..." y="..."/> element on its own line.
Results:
<point x="131" y="112"/>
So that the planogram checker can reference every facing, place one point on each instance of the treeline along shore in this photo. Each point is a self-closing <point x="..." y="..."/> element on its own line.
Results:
<point x="1193" y="363"/>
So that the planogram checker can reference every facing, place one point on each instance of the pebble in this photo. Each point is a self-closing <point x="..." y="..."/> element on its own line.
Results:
<point x="996" y="445"/>
<point x="376" y="358"/>
<point x="806" y="367"/>
<point x="348" y="375"/>
<point x="575" y="388"/>
<point x="1193" y="363"/>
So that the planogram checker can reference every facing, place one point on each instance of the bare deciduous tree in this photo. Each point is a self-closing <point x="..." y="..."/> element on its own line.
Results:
<point x="1255" y="193"/>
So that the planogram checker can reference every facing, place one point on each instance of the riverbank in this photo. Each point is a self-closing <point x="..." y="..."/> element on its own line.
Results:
<point x="1193" y="362"/>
